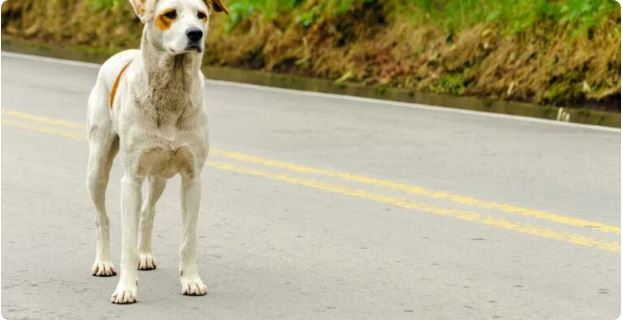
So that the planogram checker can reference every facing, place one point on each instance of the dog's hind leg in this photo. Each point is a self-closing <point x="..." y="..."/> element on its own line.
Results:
<point x="145" y="256"/>
<point x="103" y="147"/>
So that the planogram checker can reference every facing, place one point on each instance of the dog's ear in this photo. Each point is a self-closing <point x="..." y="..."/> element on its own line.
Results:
<point x="219" y="6"/>
<point x="143" y="9"/>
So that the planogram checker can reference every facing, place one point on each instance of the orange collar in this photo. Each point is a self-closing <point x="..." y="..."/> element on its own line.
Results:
<point x="115" y="85"/>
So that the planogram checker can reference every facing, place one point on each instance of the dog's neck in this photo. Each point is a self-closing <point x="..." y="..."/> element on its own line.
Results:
<point x="172" y="81"/>
<point x="167" y="72"/>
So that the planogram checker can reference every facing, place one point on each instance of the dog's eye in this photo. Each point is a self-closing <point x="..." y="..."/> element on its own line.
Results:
<point x="201" y="15"/>
<point x="171" y="14"/>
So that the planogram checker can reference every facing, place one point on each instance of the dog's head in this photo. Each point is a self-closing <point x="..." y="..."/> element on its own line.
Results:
<point x="177" y="26"/>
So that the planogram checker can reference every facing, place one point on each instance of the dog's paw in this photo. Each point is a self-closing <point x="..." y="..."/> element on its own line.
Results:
<point x="193" y="286"/>
<point x="124" y="295"/>
<point x="146" y="261"/>
<point x="103" y="268"/>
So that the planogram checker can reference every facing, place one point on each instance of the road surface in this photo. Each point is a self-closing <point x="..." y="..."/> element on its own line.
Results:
<point x="321" y="207"/>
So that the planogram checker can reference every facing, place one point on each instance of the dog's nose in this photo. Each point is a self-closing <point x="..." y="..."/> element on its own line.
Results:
<point x="194" y="34"/>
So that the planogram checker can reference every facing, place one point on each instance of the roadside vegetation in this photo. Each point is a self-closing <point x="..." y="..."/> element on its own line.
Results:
<point x="547" y="52"/>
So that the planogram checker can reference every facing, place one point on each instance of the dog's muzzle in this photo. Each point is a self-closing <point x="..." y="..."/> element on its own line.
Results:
<point x="194" y="36"/>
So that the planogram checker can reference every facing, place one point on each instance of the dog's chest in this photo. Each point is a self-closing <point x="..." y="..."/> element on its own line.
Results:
<point x="165" y="143"/>
<point x="163" y="126"/>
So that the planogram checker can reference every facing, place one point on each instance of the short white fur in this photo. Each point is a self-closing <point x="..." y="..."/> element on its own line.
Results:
<point x="158" y="120"/>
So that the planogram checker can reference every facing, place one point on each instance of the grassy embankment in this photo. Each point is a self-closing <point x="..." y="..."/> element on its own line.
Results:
<point x="547" y="52"/>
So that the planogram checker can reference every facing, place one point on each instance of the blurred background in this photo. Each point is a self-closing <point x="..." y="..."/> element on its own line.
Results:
<point x="319" y="206"/>
<point x="557" y="53"/>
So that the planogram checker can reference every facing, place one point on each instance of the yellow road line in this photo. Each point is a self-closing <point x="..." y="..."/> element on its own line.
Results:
<point x="47" y="130"/>
<point x="576" y="239"/>
<point x="475" y="217"/>
<point x="416" y="190"/>
<point x="464" y="200"/>
<point x="37" y="118"/>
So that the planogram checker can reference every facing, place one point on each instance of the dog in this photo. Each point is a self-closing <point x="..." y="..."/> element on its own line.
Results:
<point x="150" y="104"/>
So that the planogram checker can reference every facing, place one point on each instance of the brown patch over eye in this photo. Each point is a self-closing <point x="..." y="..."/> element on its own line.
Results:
<point x="165" y="20"/>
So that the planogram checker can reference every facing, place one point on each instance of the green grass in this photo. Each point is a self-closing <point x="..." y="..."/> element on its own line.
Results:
<point x="306" y="12"/>
<point x="514" y="16"/>
<point x="241" y="9"/>
<point x="98" y="5"/>
<point x="449" y="83"/>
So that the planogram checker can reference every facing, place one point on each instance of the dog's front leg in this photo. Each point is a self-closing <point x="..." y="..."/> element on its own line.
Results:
<point x="145" y="257"/>
<point x="189" y="274"/>
<point x="126" y="290"/>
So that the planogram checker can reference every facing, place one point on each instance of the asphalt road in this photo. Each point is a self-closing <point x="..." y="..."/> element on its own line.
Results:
<point x="320" y="207"/>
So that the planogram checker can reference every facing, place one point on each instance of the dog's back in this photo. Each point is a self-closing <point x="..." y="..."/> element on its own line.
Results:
<point x="100" y="97"/>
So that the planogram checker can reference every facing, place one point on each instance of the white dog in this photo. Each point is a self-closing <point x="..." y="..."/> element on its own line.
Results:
<point x="149" y="103"/>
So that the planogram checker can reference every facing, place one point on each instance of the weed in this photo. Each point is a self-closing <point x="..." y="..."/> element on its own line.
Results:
<point x="449" y="83"/>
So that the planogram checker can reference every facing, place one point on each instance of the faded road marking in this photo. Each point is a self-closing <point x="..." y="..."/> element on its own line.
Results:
<point x="464" y="200"/>
<point x="50" y="131"/>
<point x="43" y="119"/>
<point x="581" y="240"/>
<point x="416" y="190"/>
<point x="460" y="214"/>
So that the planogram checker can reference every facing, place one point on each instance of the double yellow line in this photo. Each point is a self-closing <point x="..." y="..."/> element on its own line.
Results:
<point x="68" y="129"/>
